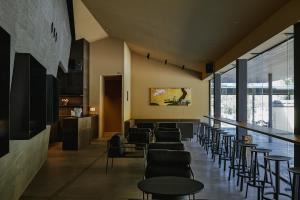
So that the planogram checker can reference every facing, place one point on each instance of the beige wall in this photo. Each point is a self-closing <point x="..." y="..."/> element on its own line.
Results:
<point x="109" y="56"/>
<point x="106" y="58"/>
<point x="127" y="83"/>
<point x="150" y="73"/>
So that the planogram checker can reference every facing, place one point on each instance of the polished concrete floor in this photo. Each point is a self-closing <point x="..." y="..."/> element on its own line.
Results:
<point x="72" y="175"/>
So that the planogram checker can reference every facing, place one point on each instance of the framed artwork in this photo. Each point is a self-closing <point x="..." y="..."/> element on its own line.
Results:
<point x="170" y="96"/>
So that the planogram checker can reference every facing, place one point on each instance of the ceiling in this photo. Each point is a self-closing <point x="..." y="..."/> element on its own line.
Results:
<point x="186" y="32"/>
<point x="272" y="56"/>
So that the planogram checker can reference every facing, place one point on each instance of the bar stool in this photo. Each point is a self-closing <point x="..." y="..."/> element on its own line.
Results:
<point x="233" y="165"/>
<point x="296" y="182"/>
<point x="226" y="149"/>
<point x="255" y="179"/>
<point x="243" y="168"/>
<point x="277" y="159"/>
<point x="215" y="146"/>
<point x="201" y="135"/>
<point x="207" y="138"/>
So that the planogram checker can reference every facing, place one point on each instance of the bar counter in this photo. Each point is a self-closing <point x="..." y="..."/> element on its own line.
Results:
<point x="79" y="131"/>
<point x="279" y="134"/>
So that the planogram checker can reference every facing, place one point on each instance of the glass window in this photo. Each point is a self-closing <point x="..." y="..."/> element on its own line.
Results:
<point x="211" y="99"/>
<point x="275" y="66"/>
<point x="228" y="94"/>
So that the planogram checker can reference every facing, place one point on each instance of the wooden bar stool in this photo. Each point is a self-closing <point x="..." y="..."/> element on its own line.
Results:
<point x="234" y="158"/>
<point x="243" y="166"/>
<point x="255" y="179"/>
<point x="276" y="193"/>
<point x="296" y="182"/>
<point x="226" y="149"/>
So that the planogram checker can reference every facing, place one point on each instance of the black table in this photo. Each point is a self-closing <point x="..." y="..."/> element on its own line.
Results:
<point x="170" y="187"/>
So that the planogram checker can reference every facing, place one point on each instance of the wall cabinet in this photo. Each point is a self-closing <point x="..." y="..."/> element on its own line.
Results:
<point x="28" y="98"/>
<point x="4" y="91"/>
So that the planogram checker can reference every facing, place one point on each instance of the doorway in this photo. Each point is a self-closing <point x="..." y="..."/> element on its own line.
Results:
<point x="112" y="105"/>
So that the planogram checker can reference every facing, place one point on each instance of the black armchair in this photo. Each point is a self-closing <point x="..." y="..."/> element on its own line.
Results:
<point x="168" y="136"/>
<point x="117" y="148"/>
<point x="168" y="163"/>
<point x="167" y="125"/>
<point x="166" y="145"/>
<point x="146" y="125"/>
<point x="139" y="135"/>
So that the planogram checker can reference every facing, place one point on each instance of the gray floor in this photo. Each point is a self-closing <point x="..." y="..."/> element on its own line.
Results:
<point x="81" y="175"/>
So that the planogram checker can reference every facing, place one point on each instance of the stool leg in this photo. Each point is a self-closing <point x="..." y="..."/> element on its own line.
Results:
<point x="239" y="167"/>
<point x="277" y="180"/>
<point x="232" y="162"/>
<point x="225" y="153"/>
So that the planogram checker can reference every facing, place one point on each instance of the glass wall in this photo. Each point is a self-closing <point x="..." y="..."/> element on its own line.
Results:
<point x="270" y="84"/>
<point x="211" y="97"/>
<point x="228" y="94"/>
<point x="273" y="68"/>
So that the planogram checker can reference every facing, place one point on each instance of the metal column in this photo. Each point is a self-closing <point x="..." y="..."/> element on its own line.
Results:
<point x="241" y="95"/>
<point x="217" y="97"/>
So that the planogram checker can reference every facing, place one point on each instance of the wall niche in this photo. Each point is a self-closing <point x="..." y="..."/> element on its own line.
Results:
<point x="4" y="91"/>
<point x="28" y="98"/>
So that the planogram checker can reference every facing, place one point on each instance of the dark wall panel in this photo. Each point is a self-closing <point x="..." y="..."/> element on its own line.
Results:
<point x="4" y="91"/>
<point x="52" y="100"/>
<point x="28" y="97"/>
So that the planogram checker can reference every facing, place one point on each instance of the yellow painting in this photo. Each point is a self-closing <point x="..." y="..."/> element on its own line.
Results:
<point x="171" y="96"/>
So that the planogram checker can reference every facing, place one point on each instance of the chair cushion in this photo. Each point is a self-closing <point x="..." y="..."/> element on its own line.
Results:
<point x="167" y="125"/>
<point x="168" y="163"/>
<point x="167" y="145"/>
<point x="115" y="145"/>
<point x="168" y="157"/>
<point x="167" y="129"/>
<point x="145" y="125"/>
<point x="154" y="171"/>
<point x="168" y="136"/>
<point x="136" y="137"/>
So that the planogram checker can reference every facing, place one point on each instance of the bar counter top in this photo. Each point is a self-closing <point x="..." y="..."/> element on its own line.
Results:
<point x="279" y="134"/>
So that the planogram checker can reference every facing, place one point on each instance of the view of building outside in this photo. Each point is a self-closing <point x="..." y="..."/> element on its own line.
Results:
<point x="276" y="66"/>
<point x="211" y="99"/>
<point x="228" y="96"/>
<point x="275" y="109"/>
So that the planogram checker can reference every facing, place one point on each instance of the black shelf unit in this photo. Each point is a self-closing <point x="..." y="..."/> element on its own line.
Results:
<point x="28" y="98"/>
<point x="52" y="100"/>
<point x="4" y="91"/>
<point x="74" y="84"/>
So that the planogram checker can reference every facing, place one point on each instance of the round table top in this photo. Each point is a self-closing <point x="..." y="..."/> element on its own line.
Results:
<point x="170" y="185"/>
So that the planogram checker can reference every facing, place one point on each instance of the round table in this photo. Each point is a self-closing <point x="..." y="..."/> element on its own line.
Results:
<point x="167" y="187"/>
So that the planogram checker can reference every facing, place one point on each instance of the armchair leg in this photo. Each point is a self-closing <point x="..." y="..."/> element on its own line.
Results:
<point x="106" y="165"/>
<point x="112" y="162"/>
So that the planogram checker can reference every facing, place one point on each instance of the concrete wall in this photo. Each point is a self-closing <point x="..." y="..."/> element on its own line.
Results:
<point x="29" y="24"/>
<point x="149" y="73"/>
<point x="24" y="160"/>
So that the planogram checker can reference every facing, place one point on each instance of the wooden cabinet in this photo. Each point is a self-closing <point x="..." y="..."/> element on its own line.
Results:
<point x="28" y="98"/>
<point x="4" y="91"/>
